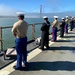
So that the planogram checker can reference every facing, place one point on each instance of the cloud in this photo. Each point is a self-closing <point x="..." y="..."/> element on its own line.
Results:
<point x="7" y="11"/>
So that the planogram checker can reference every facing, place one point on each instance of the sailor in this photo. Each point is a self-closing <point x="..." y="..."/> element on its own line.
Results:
<point x="62" y="25"/>
<point x="71" y="23"/>
<point x="66" y="25"/>
<point x="19" y="30"/>
<point x="54" y="29"/>
<point x="45" y="33"/>
<point x="74" y="21"/>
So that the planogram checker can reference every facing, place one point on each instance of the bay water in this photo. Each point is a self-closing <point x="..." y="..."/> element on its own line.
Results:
<point x="8" y="40"/>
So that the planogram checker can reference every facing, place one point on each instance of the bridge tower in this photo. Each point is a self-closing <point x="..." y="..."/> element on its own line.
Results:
<point x="40" y="11"/>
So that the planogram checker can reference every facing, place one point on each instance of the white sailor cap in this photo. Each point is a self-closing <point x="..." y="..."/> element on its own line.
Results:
<point x="20" y="13"/>
<point x="67" y="17"/>
<point x="45" y="17"/>
<point x="63" y="18"/>
<point x="55" y="16"/>
<point x="72" y="17"/>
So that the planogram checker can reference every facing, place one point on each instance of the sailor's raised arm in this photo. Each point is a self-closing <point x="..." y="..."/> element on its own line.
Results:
<point x="14" y="31"/>
<point x="54" y="23"/>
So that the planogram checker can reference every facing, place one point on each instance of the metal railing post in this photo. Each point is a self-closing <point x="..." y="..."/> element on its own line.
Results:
<point x="1" y="45"/>
<point x="33" y="31"/>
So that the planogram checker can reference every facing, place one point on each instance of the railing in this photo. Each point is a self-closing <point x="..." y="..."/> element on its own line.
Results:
<point x="1" y="38"/>
<point x="7" y="40"/>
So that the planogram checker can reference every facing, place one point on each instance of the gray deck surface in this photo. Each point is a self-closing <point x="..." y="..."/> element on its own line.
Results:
<point x="10" y="59"/>
<point x="59" y="59"/>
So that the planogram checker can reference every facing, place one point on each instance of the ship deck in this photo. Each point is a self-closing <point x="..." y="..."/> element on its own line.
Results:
<point x="59" y="59"/>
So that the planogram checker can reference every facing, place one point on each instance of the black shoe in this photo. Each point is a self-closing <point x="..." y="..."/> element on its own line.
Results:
<point x="41" y="48"/>
<point x="27" y="65"/>
<point x="61" y="36"/>
<point x="47" y="47"/>
<point x="20" y="68"/>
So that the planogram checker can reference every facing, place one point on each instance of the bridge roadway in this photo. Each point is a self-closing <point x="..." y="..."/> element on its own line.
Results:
<point x="59" y="59"/>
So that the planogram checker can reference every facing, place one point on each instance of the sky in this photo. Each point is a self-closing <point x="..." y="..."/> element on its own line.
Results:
<point x="10" y="7"/>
